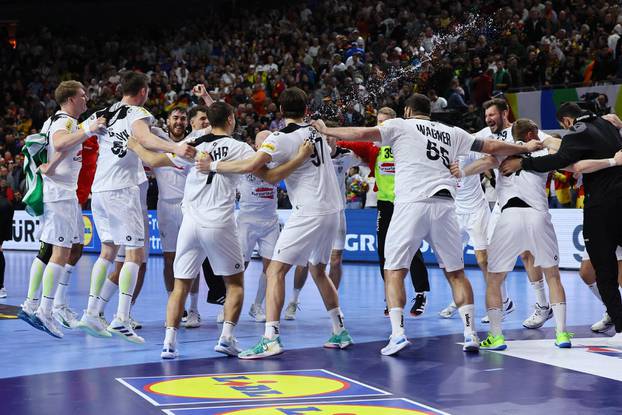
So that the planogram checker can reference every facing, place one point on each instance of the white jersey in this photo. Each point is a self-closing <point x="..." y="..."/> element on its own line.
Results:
<point x="118" y="168"/>
<point x="258" y="198"/>
<point x="528" y="186"/>
<point x="342" y="161"/>
<point x="312" y="187"/>
<point x="209" y="199"/>
<point x="423" y="151"/>
<point x="469" y="192"/>
<point x="63" y="183"/>
<point x="171" y="180"/>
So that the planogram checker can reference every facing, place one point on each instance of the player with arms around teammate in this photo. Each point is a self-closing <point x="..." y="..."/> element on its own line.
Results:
<point x="62" y="217"/>
<point x="309" y="232"/>
<point x="116" y="201"/>
<point x="424" y="206"/>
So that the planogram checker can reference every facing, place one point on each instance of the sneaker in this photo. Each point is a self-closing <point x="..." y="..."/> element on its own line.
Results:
<point x="65" y="316"/>
<point x="395" y="345"/>
<point x="508" y="307"/>
<point x="471" y="344"/>
<point x="193" y="321"/>
<point x="92" y="325"/>
<point x="562" y="339"/>
<point x="603" y="325"/>
<point x="184" y="317"/>
<point x="339" y="341"/>
<point x="264" y="348"/>
<point x="124" y="330"/>
<point x="102" y="319"/>
<point x="493" y="343"/>
<point x="169" y="351"/>
<point x="290" y="311"/>
<point x="27" y="314"/>
<point x="48" y="324"/>
<point x="228" y="346"/>
<point x="539" y="316"/>
<point x="136" y="325"/>
<point x="449" y="311"/>
<point x="419" y="305"/>
<point x="3" y="293"/>
<point x="257" y="313"/>
<point x="220" y="318"/>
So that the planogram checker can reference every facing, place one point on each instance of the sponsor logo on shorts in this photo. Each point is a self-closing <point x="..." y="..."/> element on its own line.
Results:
<point x="61" y="239"/>
<point x="555" y="257"/>
<point x="237" y="266"/>
<point x="128" y="238"/>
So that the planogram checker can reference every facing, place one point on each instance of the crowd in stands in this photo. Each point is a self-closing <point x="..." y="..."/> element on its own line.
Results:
<point x="341" y="52"/>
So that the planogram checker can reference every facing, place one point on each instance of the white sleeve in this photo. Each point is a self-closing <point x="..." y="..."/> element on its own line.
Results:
<point x="66" y="124"/>
<point x="389" y="130"/>
<point x="277" y="149"/>
<point x="464" y="141"/>
<point x="139" y="113"/>
<point x="240" y="151"/>
<point x="158" y="132"/>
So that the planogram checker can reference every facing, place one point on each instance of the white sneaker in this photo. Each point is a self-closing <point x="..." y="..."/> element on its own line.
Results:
<point x="395" y="345"/>
<point x="136" y="325"/>
<point x="228" y="346"/>
<point x="124" y="330"/>
<point x="603" y="325"/>
<point x="220" y="318"/>
<point x="92" y="325"/>
<point x="449" y="311"/>
<point x="3" y="293"/>
<point x="616" y="340"/>
<point x="471" y="343"/>
<point x="169" y="351"/>
<point x="48" y="324"/>
<point x="193" y="321"/>
<point x="539" y="316"/>
<point x="27" y="313"/>
<point x="508" y="307"/>
<point x="102" y="319"/>
<point x="257" y="313"/>
<point x="290" y="311"/>
<point x="65" y="316"/>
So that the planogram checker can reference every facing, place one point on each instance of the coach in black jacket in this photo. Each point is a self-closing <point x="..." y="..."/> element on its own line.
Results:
<point x="592" y="137"/>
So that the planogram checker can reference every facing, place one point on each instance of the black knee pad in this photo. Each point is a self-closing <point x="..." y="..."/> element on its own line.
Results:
<point x="45" y="252"/>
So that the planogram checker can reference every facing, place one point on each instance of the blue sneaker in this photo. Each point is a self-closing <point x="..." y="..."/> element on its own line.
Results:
<point x="265" y="348"/>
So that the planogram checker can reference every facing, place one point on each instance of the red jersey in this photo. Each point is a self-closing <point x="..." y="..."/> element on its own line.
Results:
<point x="90" y="151"/>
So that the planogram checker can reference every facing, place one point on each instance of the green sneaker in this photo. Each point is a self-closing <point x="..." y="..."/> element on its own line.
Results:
<point x="493" y="343"/>
<point x="339" y="341"/>
<point x="562" y="339"/>
<point x="264" y="348"/>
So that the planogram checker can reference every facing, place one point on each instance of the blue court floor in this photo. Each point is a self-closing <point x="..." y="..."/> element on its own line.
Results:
<point x="80" y="374"/>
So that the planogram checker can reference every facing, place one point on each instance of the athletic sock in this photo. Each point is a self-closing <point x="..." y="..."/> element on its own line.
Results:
<point x="538" y="288"/>
<point x="227" y="329"/>
<point x="51" y="274"/>
<point x="105" y="294"/>
<point x="336" y="318"/>
<point x="194" y="302"/>
<point x="495" y="315"/>
<point x="261" y="289"/>
<point x="396" y="315"/>
<point x="272" y="330"/>
<point x="504" y="293"/>
<point x="594" y="289"/>
<point x="98" y="276"/>
<point x="467" y="312"/>
<point x="127" y="282"/>
<point x="559" y="311"/>
<point x="34" y="282"/>
<point x="296" y="295"/>
<point x="170" y="338"/>
<point x="60" y="298"/>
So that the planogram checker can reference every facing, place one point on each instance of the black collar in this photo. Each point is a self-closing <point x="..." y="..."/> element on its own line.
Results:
<point x="207" y="138"/>
<point x="291" y="127"/>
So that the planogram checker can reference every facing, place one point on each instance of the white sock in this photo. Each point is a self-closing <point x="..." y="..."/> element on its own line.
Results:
<point x="467" y="314"/>
<point x="98" y="276"/>
<point x="336" y="318"/>
<point x="296" y="295"/>
<point x="227" y="329"/>
<point x="541" y="300"/>
<point x="495" y="315"/>
<point x="105" y="294"/>
<point x="272" y="330"/>
<point x="559" y="311"/>
<point x="170" y="337"/>
<point x="594" y="289"/>
<point x="504" y="293"/>
<point x="397" y="321"/>
<point x="127" y="282"/>
<point x="261" y="289"/>
<point x="60" y="298"/>
<point x="51" y="274"/>
<point x="194" y="302"/>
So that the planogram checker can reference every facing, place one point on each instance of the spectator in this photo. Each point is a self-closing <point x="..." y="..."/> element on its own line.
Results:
<point x="456" y="97"/>
<point x="436" y="103"/>
<point x="356" y="189"/>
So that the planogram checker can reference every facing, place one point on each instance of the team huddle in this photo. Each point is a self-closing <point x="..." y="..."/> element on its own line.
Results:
<point x="435" y="195"/>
